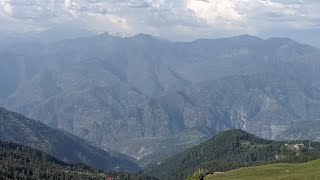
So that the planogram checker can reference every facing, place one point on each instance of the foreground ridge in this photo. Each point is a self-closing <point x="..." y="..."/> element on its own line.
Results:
<point x="233" y="149"/>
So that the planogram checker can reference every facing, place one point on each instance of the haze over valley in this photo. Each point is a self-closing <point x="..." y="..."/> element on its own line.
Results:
<point x="159" y="89"/>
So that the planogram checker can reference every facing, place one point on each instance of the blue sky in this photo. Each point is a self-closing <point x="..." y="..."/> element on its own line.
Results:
<point x="178" y="20"/>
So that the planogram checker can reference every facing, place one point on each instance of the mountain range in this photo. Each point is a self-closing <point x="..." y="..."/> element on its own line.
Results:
<point x="151" y="98"/>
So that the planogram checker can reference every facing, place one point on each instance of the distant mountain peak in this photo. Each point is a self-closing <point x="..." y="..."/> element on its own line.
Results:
<point x="293" y="44"/>
<point x="283" y="39"/>
<point x="139" y="37"/>
<point x="105" y="34"/>
<point x="121" y="34"/>
<point x="142" y="36"/>
<point x="240" y="38"/>
<point x="246" y="37"/>
<point x="116" y="34"/>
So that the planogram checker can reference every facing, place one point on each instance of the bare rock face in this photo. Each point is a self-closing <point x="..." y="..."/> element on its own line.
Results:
<point x="151" y="98"/>
<point x="263" y="104"/>
<point x="302" y="130"/>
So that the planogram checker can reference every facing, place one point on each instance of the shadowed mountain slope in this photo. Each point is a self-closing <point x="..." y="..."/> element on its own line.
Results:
<point x="62" y="145"/>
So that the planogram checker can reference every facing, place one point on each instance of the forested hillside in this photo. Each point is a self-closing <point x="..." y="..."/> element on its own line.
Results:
<point x="22" y="162"/>
<point x="230" y="150"/>
<point x="60" y="144"/>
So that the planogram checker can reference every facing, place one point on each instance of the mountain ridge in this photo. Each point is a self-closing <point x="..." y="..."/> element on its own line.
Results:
<point x="23" y="162"/>
<point x="107" y="90"/>
<point x="233" y="149"/>
<point x="63" y="145"/>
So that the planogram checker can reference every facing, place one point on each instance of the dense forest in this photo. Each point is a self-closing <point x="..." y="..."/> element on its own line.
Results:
<point x="23" y="162"/>
<point x="230" y="150"/>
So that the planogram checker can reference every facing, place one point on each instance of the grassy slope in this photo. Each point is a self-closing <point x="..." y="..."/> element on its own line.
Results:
<point x="309" y="170"/>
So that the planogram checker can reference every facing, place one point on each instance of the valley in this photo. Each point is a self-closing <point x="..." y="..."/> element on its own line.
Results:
<point x="126" y="93"/>
<point x="159" y="89"/>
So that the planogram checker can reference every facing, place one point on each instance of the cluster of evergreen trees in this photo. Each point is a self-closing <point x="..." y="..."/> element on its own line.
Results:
<point x="231" y="150"/>
<point x="23" y="162"/>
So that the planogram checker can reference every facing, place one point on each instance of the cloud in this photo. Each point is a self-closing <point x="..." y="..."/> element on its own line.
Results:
<point x="179" y="19"/>
<point x="7" y="8"/>
<point x="215" y="13"/>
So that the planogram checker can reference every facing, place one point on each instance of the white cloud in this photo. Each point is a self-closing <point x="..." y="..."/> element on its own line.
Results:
<point x="180" y="19"/>
<point x="67" y="3"/>
<point x="7" y="8"/>
<point x="215" y="12"/>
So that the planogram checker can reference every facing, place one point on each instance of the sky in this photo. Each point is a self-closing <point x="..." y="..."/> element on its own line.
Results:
<point x="176" y="20"/>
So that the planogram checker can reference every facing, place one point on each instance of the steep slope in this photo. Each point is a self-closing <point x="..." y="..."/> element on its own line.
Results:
<point x="23" y="162"/>
<point x="262" y="104"/>
<point x="91" y="86"/>
<point x="65" y="146"/>
<point x="308" y="170"/>
<point x="301" y="131"/>
<point x="230" y="150"/>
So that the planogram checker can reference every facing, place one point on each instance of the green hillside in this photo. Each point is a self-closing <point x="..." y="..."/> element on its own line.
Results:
<point x="23" y="162"/>
<point x="231" y="150"/>
<point x="304" y="171"/>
